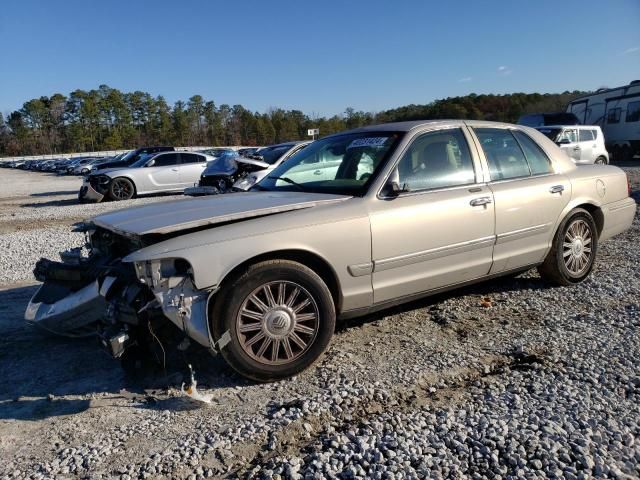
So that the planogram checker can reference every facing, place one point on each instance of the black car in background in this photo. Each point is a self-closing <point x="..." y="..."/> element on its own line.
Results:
<point x="133" y="156"/>
<point x="544" y="119"/>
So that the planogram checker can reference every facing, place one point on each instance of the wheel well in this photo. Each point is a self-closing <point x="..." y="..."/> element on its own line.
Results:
<point x="316" y="263"/>
<point x="596" y="213"/>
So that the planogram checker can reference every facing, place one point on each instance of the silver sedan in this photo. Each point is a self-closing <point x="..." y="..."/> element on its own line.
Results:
<point x="403" y="210"/>
<point x="166" y="172"/>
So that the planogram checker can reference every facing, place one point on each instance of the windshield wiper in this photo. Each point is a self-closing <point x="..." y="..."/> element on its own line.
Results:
<point x="287" y="180"/>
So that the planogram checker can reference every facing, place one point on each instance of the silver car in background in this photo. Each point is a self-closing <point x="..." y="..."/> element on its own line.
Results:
<point x="165" y="172"/>
<point x="584" y="144"/>
<point x="398" y="211"/>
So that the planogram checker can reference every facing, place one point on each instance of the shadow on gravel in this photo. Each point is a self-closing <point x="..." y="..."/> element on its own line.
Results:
<point x="39" y="369"/>
<point x="52" y="194"/>
<point x="52" y="203"/>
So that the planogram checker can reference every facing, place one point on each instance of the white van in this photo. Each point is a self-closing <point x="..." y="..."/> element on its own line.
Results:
<point x="583" y="143"/>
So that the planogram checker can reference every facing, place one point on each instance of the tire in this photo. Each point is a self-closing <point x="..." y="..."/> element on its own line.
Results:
<point x="273" y="342"/>
<point x="121" y="189"/>
<point x="564" y="262"/>
<point x="601" y="161"/>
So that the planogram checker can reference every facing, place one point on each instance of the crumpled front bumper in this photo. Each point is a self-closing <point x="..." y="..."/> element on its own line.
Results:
<point x="88" y="194"/>
<point x="64" y="312"/>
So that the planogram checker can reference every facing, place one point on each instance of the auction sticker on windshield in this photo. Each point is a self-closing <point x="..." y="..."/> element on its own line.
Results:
<point x="368" y="142"/>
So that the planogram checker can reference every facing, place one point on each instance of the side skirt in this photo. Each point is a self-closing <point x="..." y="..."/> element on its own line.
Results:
<point x="376" y="307"/>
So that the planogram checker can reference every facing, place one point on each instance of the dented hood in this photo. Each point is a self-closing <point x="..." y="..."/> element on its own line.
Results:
<point x="174" y="216"/>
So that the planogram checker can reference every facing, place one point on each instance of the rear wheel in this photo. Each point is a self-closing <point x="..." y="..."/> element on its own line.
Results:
<point x="278" y="317"/>
<point x="121" y="189"/>
<point x="601" y="161"/>
<point x="573" y="252"/>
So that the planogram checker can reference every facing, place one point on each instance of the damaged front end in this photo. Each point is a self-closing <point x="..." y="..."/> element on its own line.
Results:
<point x="93" y="291"/>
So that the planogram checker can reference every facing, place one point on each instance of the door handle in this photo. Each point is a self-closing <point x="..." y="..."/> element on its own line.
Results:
<point x="576" y="148"/>
<point x="480" y="201"/>
<point x="557" y="189"/>
<point x="317" y="172"/>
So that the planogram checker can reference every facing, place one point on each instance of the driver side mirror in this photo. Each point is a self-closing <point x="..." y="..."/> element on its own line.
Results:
<point x="150" y="163"/>
<point x="393" y="188"/>
<point x="564" y="141"/>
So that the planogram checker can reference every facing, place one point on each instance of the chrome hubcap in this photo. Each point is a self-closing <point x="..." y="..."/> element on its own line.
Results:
<point x="277" y="322"/>
<point x="577" y="247"/>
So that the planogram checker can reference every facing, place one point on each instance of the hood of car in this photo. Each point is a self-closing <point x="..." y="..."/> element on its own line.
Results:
<point x="106" y="171"/>
<point x="185" y="214"/>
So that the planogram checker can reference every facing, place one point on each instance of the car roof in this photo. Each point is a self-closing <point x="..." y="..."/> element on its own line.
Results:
<point x="416" y="124"/>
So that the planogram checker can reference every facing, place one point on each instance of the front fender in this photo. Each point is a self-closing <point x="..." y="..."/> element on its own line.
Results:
<point x="215" y="252"/>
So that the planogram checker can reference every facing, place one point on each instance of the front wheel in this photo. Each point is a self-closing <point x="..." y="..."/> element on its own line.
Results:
<point x="121" y="189"/>
<point x="573" y="251"/>
<point x="278" y="317"/>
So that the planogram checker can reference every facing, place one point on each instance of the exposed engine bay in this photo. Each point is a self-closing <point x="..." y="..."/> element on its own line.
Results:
<point x="228" y="174"/>
<point x="92" y="291"/>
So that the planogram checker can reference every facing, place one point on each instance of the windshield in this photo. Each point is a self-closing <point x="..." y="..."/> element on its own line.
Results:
<point x="551" y="133"/>
<point x="343" y="164"/>
<point x="128" y="155"/>
<point x="144" y="158"/>
<point x="271" y="155"/>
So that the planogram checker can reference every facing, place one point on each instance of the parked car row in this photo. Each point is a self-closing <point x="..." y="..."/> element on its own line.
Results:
<point x="61" y="166"/>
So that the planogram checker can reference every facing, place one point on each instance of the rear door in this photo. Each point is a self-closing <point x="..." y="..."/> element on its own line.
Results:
<point x="163" y="174"/>
<point x="568" y="141"/>
<point x="191" y="167"/>
<point x="529" y="196"/>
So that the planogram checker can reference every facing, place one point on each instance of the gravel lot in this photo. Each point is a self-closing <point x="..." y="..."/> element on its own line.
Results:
<point x="507" y="379"/>
<point x="36" y="210"/>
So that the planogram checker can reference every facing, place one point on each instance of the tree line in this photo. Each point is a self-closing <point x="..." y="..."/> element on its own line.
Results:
<point x="108" y="119"/>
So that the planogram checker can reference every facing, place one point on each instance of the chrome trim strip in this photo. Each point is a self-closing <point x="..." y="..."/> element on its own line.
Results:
<point x="423" y="256"/>
<point x="361" y="269"/>
<point x="523" y="232"/>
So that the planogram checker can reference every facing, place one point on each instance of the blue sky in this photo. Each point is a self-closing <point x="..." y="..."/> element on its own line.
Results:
<point x="320" y="57"/>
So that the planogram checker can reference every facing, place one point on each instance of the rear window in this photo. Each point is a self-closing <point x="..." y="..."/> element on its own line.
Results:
<point x="586" y="135"/>
<point x="503" y="153"/>
<point x="538" y="160"/>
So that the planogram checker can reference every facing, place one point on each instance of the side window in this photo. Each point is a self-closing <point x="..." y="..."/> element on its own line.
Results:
<point x="633" y="112"/>
<point x="569" y="134"/>
<point x="503" y="153"/>
<point x="191" y="158"/>
<point x="436" y="160"/>
<point x="585" y="135"/>
<point x="539" y="163"/>
<point x="613" y="115"/>
<point x="166" y="160"/>
<point x="594" y="133"/>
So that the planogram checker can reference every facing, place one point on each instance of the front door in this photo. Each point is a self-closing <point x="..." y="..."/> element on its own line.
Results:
<point x="439" y="229"/>
<point x="568" y="141"/>
<point x="529" y="197"/>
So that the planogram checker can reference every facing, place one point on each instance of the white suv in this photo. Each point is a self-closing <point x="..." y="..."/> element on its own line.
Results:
<point x="583" y="143"/>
